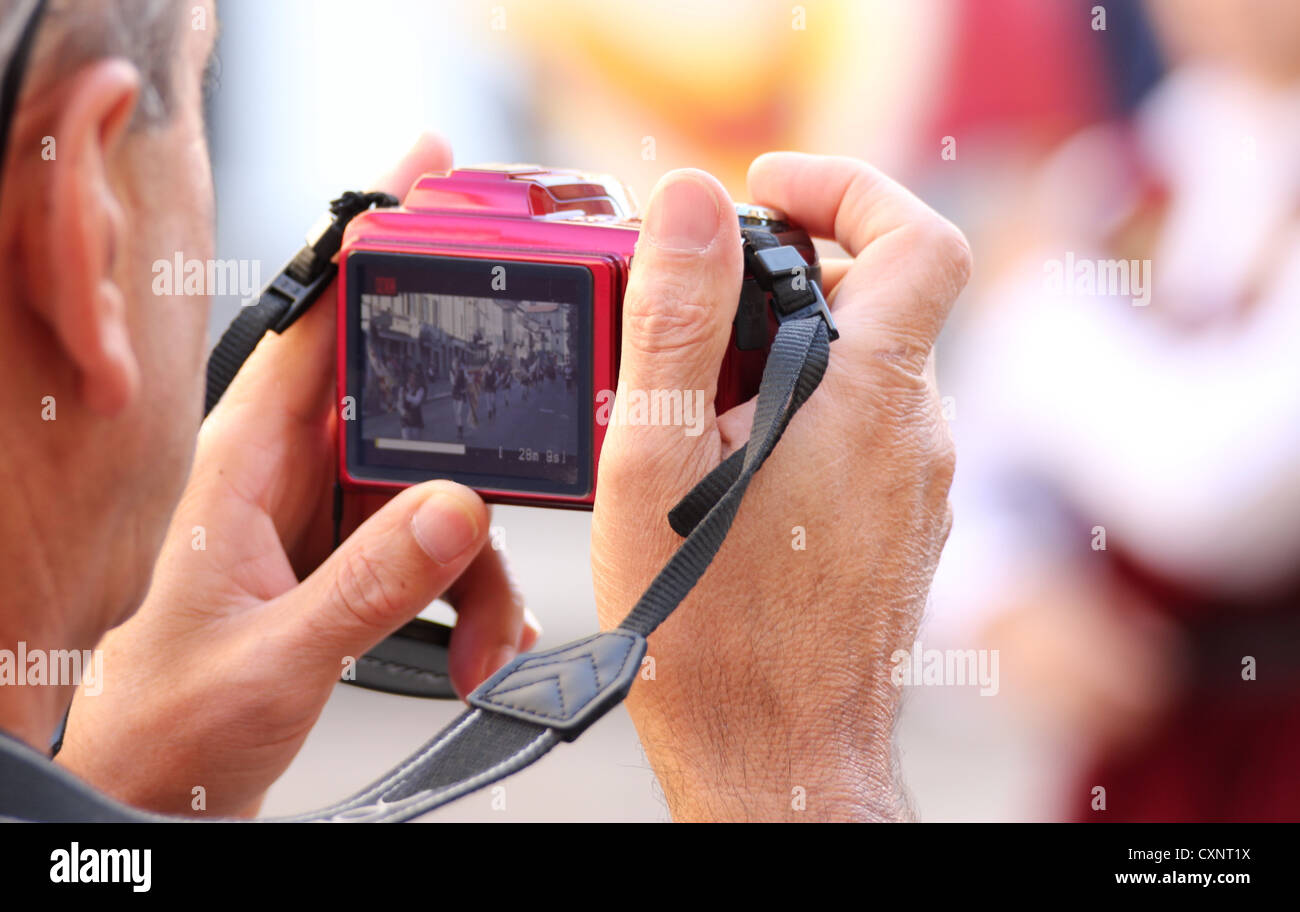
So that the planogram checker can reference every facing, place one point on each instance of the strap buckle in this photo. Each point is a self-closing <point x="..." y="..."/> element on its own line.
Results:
<point x="304" y="277"/>
<point x="781" y="271"/>
<point x="815" y="308"/>
<point x="297" y="296"/>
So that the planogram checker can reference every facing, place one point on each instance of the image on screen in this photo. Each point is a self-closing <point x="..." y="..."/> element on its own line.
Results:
<point x="482" y="389"/>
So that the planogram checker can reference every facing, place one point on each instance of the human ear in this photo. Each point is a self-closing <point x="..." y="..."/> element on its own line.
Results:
<point x="86" y="223"/>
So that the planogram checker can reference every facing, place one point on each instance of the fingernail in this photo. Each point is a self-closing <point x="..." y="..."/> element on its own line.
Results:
<point x="446" y="525"/>
<point x="498" y="660"/>
<point x="683" y="214"/>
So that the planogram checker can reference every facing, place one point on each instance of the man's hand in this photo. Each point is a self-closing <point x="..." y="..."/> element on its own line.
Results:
<point x="216" y="681"/>
<point x="771" y="694"/>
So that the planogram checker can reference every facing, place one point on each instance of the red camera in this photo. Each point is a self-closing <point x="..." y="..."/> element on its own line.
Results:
<point x="479" y="334"/>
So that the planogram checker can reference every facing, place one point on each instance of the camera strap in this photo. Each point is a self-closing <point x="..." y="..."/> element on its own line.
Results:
<point x="539" y="699"/>
<point x="289" y="294"/>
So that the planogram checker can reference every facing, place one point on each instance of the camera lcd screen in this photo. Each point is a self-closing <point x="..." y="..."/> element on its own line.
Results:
<point x="469" y="369"/>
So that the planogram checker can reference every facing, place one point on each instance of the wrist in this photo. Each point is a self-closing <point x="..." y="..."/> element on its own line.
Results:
<point x="748" y="760"/>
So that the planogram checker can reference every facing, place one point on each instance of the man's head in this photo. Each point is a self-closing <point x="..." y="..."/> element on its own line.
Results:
<point x="106" y="173"/>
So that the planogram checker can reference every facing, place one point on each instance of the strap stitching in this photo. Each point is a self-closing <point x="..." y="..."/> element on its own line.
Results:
<point x="393" y="777"/>
<point x="447" y="793"/>
<point x="565" y="715"/>
<point x="401" y="668"/>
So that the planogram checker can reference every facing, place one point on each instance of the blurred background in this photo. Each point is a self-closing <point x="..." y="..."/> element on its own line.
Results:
<point x="1122" y="376"/>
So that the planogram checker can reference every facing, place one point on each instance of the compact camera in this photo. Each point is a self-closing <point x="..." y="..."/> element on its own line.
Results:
<point x="479" y="326"/>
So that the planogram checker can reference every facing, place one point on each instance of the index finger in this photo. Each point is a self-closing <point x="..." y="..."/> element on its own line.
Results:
<point x="835" y="197"/>
<point x="909" y="261"/>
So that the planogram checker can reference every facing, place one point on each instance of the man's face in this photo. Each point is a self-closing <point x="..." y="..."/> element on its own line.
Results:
<point x="164" y="182"/>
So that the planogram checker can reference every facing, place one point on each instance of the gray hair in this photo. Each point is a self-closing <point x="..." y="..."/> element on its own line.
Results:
<point x="74" y="33"/>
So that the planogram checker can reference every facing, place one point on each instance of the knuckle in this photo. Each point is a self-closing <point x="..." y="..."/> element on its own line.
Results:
<point x="940" y="466"/>
<point x="936" y="448"/>
<point x="859" y="197"/>
<point x="646" y="470"/>
<point x="942" y="247"/>
<point x="667" y="315"/>
<point x="938" y="266"/>
<point x="903" y="350"/>
<point x="887" y="371"/>
<point x="904" y="415"/>
<point x="951" y="252"/>
<point x="361" y="590"/>
<point x="945" y="525"/>
<point x="943" y="460"/>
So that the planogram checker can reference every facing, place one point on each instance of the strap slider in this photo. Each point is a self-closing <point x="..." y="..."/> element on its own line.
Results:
<point x="792" y="283"/>
<point x="817" y="307"/>
<point x="298" y="297"/>
<point x="304" y="277"/>
<point x="568" y="688"/>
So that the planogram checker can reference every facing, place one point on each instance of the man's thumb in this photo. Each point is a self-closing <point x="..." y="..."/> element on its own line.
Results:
<point x="390" y="569"/>
<point x="684" y="286"/>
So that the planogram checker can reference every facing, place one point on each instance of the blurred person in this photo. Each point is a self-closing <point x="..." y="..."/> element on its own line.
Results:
<point x="1020" y="77"/>
<point x="221" y="659"/>
<point x="504" y="378"/>
<point x="1128" y="509"/>
<point x="459" y="394"/>
<point x="412" y="405"/>
<point x="490" y="386"/>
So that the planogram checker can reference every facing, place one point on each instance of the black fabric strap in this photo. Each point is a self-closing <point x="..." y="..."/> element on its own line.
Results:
<point x="696" y="504"/>
<point x="34" y="789"/>
<point x="476" y="750"/>
<point x="237" y="344"/>
<point x="411" y="662"/>
<point x="286" y="297"/>
<point x="795" y="366"/>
